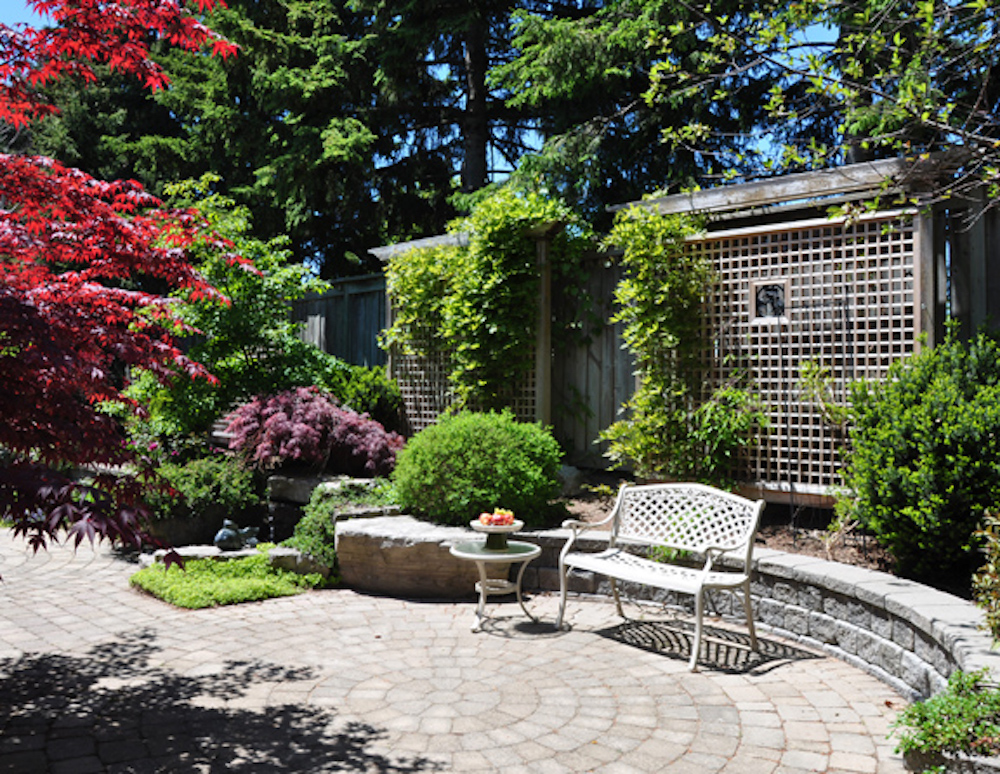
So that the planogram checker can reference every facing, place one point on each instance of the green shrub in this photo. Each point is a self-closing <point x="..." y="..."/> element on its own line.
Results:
<point x="367" y="391"/>
<point x="315" y="532"/>
<point x="964" y="718"/>
<point x="472" y="462"/>
<point x="924" y="463"/>
<point x="249" y="343"/>
<point x="208" y="485"/>
<point x="209" y="582"/>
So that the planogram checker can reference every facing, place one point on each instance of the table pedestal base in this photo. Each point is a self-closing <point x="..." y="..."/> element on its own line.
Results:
<point x="482" y="554"/>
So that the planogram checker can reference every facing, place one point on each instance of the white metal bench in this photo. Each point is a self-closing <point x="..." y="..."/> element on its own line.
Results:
<point x="685" y="517"/>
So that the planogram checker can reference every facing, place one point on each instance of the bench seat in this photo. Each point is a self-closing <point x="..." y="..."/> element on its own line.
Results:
<point x="684" y="517"/>
<point x="625" y="566"/>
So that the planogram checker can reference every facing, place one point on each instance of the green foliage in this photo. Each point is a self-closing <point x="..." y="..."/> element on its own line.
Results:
<point x="479" y="302"/>
<point x="366" y="390"/>
<point x="315" y="532"/>
<point x="850" y="80"/>
<point x="816" y="387"/>
<point x="669" y="429"/>
<point x="473" y="462"/>
<point x="667" y="555"/>
<point x="590" y="76"/>
<point x="986" y="582"/>
<point x="210" y="582"/>
<point x="249" y="344"/>
<point x="218" y="485"/>
<point x="728" y="421"/>
<point x="924" y="467"/>
<point x="964" y="718"/>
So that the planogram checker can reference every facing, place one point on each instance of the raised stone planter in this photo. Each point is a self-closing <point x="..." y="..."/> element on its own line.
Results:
<point x="401" y="556"/>
<point x="911" y="636"/>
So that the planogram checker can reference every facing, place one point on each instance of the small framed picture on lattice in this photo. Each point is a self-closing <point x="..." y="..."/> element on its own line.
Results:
<point x="769" y="301"/>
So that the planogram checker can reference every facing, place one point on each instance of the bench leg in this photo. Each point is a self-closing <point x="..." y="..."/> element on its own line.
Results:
<point x="748" y="611"/>
<point x="562" y="594"/>
<point x="699" y="614"/>
<point x="614" y="592"/>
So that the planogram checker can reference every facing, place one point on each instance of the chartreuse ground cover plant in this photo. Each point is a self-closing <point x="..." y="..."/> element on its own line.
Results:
<point x="471" y="462"/>
<point x="210" y="582"/>
<point x="671" y="427"/>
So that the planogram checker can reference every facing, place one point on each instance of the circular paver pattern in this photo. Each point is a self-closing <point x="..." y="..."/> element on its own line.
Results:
<point x="97" y="677"/>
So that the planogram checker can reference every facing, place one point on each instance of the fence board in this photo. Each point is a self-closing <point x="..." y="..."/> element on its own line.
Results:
<point x="346" y="320"/>
<point x="591" y="382"/>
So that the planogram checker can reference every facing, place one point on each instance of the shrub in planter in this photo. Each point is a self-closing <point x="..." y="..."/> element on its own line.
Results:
<point x="986" y="582"/>
<point x="923" y="466"/>
<point x="472" y="462"/>
<point x="306" y="427"/>
<point x="198" y="495"/>
<point x="964" y="719"/>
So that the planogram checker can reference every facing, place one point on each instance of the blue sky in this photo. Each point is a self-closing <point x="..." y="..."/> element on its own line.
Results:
<point x="13" y="11"/>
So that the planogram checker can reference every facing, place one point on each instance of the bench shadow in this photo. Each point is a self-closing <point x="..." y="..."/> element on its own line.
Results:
<point x="113" y="708"/>
<point x="722" y="650"/>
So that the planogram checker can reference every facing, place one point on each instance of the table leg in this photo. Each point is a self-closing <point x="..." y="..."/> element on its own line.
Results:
<point x="520" y="599"/>
<point x="483" y="592"/>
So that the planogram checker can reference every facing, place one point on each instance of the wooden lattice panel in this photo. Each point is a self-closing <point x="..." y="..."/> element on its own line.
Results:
<point x="843" y="296"/>
<point x="423" y="382"/>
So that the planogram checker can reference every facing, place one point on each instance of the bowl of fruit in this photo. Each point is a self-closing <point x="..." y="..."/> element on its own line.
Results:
<point x="497" y="525"/>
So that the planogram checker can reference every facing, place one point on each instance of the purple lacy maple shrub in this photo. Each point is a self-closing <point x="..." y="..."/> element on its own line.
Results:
<point x="306" y="427"/>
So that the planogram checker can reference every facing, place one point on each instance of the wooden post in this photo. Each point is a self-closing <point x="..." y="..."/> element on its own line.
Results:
<point x="543" y="341"/>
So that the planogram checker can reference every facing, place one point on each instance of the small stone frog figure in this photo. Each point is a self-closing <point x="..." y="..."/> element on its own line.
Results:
<point x="232" y="538"/>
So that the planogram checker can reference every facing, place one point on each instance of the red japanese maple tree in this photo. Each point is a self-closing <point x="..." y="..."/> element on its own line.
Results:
<point x="75" y="256"/>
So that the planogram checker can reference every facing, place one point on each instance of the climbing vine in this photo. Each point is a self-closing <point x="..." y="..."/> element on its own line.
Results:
<point x="669" y="430"/>
<point x="478" y="302"/>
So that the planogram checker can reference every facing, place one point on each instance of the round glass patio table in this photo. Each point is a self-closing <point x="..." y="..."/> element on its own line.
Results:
<point x="515" y="552"/>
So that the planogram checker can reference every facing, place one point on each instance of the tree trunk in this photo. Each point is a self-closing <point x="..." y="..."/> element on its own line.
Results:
<point x="476" y="129"/>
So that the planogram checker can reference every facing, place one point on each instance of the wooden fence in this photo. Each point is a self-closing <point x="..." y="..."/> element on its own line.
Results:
<point x="346" y="320"/>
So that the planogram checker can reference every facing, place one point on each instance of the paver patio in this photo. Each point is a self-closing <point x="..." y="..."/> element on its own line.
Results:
<point x="97" y="677"/>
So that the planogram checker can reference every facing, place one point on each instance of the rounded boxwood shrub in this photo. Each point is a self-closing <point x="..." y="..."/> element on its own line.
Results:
<point x="924" y="463"/>
<point x="472" y="462"/>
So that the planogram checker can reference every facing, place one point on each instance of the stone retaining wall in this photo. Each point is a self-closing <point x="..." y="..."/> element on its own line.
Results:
<point x="909" y="635"/>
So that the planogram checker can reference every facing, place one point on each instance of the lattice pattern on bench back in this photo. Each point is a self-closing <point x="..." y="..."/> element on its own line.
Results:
<point x="685" y="516"/>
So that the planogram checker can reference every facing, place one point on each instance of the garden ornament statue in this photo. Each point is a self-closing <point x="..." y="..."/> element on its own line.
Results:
<point x="232" y="538"/>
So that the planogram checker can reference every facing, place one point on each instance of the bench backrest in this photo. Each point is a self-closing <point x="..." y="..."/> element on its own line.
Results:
<point x="690" y="517"/>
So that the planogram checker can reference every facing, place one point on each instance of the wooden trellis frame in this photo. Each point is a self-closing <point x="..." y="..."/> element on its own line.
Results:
<point x="854" y="295"/>
<point x="843" y="295"/>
